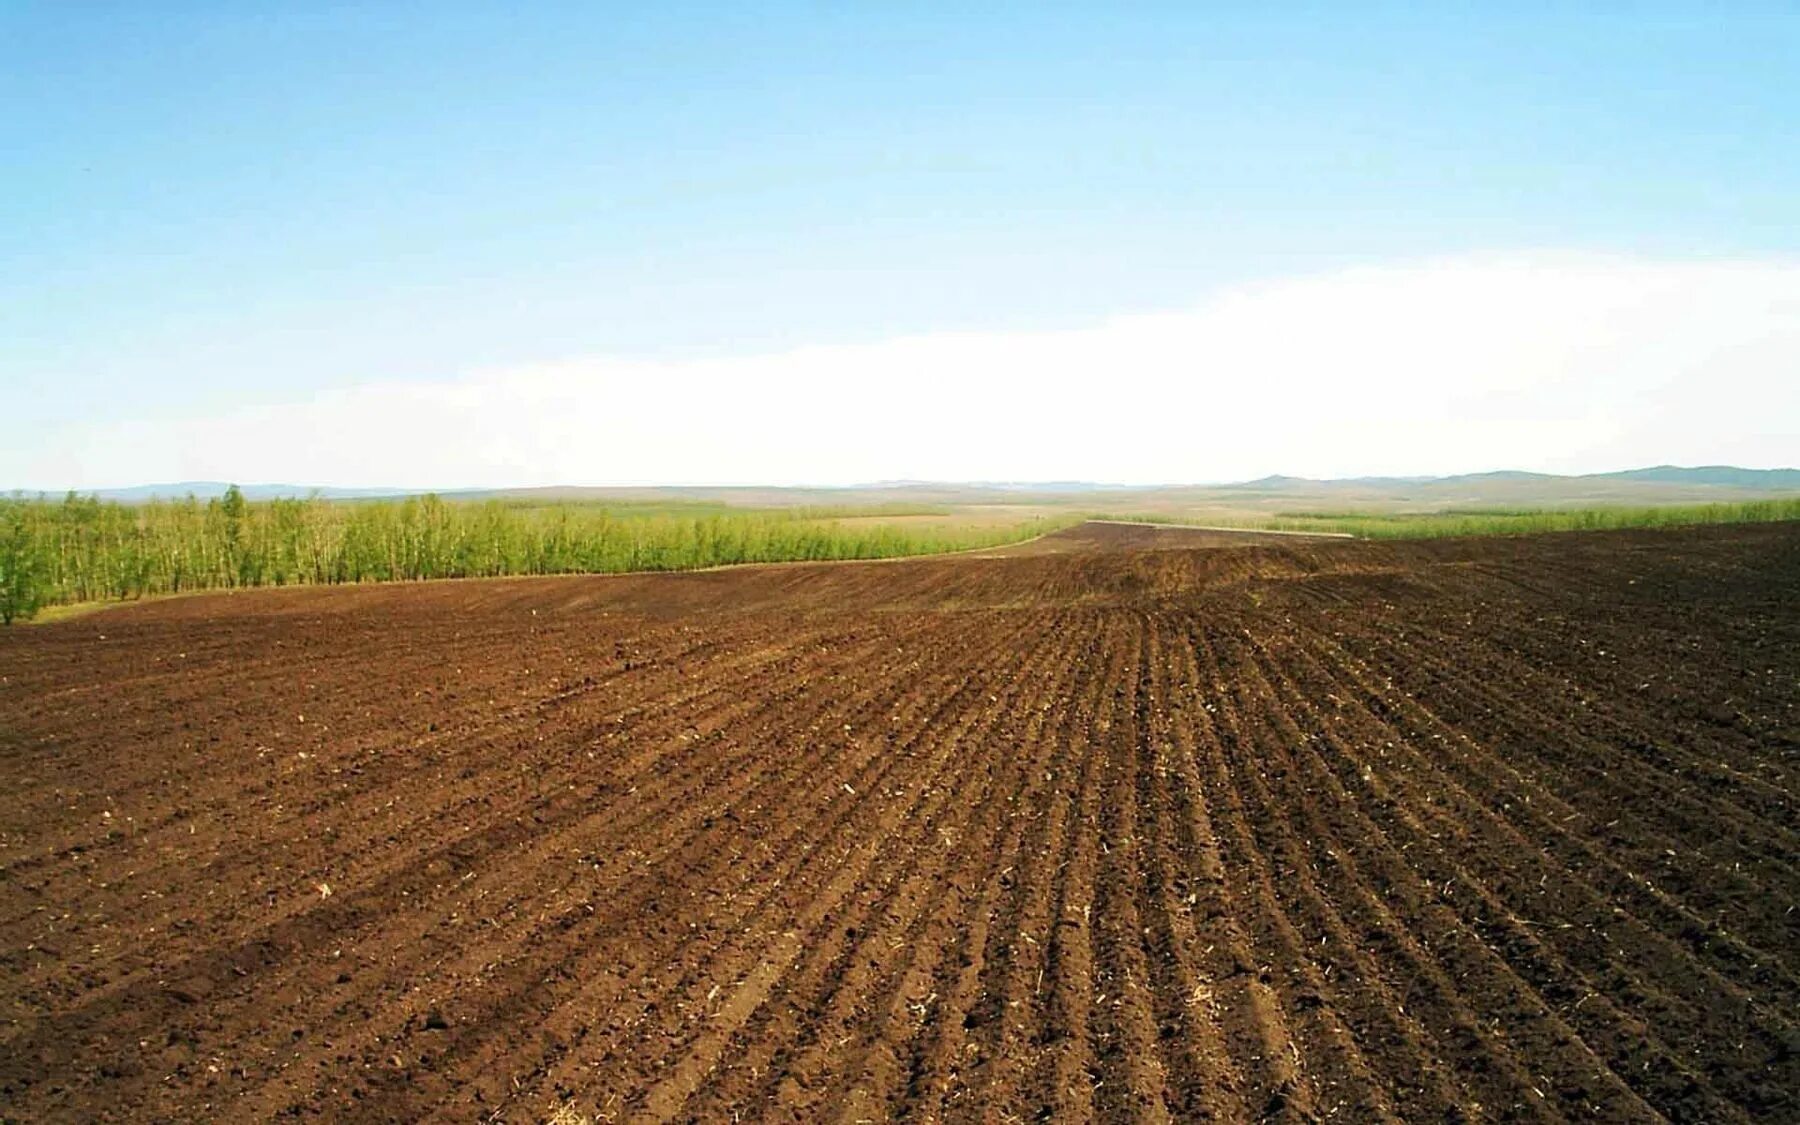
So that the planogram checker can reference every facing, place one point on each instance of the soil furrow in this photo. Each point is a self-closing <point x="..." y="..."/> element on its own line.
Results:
<point x="1107" y="830"/>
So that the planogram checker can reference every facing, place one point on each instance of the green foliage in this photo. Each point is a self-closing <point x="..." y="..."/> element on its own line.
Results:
<point x="21" y="568"/>
<point x="1508" y="521"/>
<point x="81" y="550"/>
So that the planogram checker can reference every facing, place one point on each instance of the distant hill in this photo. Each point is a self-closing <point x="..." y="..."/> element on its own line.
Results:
<point x="1660" y="484"/>
<point x="1275" y="483"/>
<point x="207" y="489"/>
<point x="1728" y="476"/>
<point x="1722" y="476"/>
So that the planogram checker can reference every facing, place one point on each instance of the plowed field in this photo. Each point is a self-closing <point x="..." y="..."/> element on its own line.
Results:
<point x="1464" y="830"/>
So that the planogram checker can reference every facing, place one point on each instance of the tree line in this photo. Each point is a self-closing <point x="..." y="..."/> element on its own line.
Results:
<point x="82" y="549"/>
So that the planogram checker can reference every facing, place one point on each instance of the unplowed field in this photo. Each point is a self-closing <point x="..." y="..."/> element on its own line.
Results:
<point x="1466" y="830"/>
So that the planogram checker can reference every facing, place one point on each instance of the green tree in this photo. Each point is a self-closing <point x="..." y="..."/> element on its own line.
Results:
<point x="234" y="508"/>
<point x="21" y="567"/>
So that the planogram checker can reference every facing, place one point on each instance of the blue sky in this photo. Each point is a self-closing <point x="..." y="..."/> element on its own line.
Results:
<point x="212" y="208"/>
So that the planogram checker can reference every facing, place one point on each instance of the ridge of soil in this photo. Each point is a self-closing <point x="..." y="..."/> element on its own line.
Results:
<point x="1486" y="829"/>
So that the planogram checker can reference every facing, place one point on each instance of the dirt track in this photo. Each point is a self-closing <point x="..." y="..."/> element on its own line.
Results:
<point x="1460" y="830"/>
<point x="1115" y="535"/>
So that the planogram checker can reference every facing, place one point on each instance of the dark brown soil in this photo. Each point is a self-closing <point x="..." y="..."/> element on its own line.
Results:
<point x="1308" y="830"/>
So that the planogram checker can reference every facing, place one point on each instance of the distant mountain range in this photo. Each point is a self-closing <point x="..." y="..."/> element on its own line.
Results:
<point x="1718" y="476"/>
<point x="207" y="489"/>
<point x="1660" y="483"/>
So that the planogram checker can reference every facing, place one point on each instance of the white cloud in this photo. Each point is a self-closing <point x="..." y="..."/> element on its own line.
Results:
<point x="1543" y="361"/>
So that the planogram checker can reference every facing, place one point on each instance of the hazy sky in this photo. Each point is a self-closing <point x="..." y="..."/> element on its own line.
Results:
<point x="444" y="245"/>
